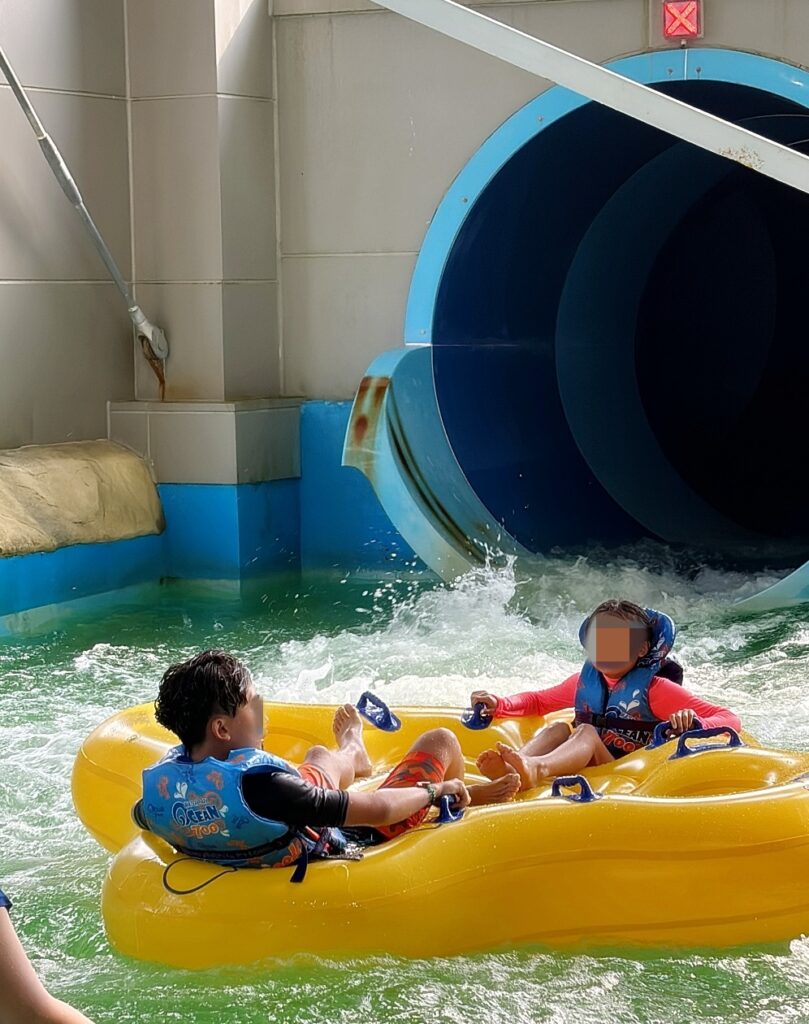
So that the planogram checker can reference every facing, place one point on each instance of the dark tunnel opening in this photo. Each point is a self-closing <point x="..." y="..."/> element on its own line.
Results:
<point x="732" y="281"/>
<point x="618" y="336"/>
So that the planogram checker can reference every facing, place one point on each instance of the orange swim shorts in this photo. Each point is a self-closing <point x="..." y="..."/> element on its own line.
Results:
<point x="416" y="767"/>
<point x="316" y="776"/>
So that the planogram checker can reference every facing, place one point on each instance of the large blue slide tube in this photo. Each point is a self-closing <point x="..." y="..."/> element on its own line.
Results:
<point x="605" y="338"/>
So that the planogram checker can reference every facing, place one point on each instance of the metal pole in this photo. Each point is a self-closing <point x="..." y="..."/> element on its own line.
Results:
<point x="148" y="333"/>
<point x="608" y="88"/>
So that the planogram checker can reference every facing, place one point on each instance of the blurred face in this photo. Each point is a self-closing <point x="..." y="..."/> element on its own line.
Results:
<point x="614" y="645"/>
<point x="246" y="727"/>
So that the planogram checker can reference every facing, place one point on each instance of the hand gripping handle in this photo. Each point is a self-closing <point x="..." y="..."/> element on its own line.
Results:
<point x="447" y="813"/>
<point x="478" y="717"/>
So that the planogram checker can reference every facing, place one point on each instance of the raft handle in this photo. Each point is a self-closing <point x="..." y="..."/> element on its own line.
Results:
<point x="683" y="750"/>
<point x="446" y="814"/>
<point x="586" y="795"/>
<point x="663" y="733"/>
<point x="477" y="717"/>
<point x="377" y="712"/>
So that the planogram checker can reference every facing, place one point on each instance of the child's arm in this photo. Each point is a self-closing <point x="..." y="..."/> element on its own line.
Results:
<point x="534" y="702"/>
<point x="667" y="698"/>
<point x="24" y="997"/>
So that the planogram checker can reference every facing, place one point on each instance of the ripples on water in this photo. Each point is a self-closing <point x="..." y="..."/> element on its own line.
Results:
<point x="415" y="641"/>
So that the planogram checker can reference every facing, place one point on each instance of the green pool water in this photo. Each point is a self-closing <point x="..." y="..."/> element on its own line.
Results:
<point x="415" y="641"/>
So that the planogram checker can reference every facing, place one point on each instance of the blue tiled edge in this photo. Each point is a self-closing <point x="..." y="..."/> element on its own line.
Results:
<point x="329" y="518"/>
<point x="52" y="577"/>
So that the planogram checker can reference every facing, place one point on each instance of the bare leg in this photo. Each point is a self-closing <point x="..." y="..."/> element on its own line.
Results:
<point x="444" y="746"/>
<point x="582" y="749"/>
<point x="350" y="761"/>
<point x="493" y="766"/>
<point x="548" y="739"/>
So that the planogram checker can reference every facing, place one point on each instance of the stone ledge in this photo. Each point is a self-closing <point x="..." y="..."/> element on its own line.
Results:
<point x="249" y="442"/>
<point x="246" y="405"/>
<point x="85" y="492"/>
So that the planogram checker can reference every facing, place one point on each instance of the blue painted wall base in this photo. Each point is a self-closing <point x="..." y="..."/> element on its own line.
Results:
<point x="52" y="577"/>
<point x="227" y="532"/>
<point x="342" y="523"/>
<point x="328" y="519"/>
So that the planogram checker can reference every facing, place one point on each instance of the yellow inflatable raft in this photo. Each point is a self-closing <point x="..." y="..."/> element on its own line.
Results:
<point x="710" y="848"/>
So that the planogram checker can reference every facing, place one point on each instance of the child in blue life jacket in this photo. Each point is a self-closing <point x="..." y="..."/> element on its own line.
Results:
<point x="220" y="797"/>
<point x="620" y="694"/>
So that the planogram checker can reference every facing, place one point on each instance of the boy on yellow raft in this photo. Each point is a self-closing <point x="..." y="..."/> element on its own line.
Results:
<point x="220" y="797"/>
<point x="620" y="695"/>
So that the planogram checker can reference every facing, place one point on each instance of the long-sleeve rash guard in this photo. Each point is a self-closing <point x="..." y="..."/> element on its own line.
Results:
<point x="665" y="697"/>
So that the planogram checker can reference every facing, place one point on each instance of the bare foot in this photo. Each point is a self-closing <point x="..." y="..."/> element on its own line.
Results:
<point x="347" y="728"/>
<point x="498" y="791"/>
<point x="526" y="767"/>
<point x="492" y="765"/>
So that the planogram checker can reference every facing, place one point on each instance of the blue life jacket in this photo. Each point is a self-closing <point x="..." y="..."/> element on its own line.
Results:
<point x="199" y="809"/>
<point x="622" y="715"/>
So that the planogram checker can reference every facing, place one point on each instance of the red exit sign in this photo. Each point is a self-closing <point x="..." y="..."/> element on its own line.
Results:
<point x="682" y="19"/>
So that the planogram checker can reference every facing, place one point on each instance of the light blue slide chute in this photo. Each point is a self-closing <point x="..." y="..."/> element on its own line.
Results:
<point x="792" y="589"/>
<point x="397" y="439"/>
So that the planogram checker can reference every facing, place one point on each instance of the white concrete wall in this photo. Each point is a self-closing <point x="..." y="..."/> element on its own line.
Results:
<point x="191" y="115"/>
<point x="65" y="346"/>
<point x="284" y="172"/>
<point x="377" y="115"/>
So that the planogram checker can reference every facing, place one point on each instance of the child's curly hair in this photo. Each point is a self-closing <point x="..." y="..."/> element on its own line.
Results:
<point x="210" y="683"/>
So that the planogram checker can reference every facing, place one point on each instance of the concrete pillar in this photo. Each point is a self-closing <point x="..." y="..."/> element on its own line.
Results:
<point x="224" y="448"/>
<point x="203" y="193"/>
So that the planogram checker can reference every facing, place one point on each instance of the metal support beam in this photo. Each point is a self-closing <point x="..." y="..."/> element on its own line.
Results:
<point x="152" y="338"/>
<point x="608" y="88"/>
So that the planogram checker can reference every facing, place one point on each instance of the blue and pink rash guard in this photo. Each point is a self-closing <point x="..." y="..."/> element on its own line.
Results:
<point x="665" y="697"/>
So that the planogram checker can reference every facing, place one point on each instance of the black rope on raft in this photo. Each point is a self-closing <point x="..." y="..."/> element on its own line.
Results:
<point x="187" y="892"/>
